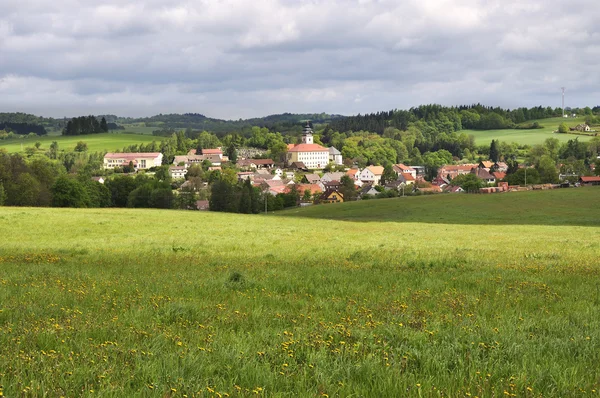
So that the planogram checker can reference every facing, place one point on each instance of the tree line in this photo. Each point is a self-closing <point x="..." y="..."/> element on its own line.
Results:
<point x="22" y="128"/>
<point x="85" y="125"/>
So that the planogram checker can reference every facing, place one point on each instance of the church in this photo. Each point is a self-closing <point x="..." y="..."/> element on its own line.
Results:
<point x="314" y="156"/>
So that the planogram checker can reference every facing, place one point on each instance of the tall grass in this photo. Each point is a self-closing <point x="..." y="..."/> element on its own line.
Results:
<point x="164" y="303"/>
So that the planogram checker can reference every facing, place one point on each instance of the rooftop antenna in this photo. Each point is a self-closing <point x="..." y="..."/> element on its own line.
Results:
<point x="563" y="100"/>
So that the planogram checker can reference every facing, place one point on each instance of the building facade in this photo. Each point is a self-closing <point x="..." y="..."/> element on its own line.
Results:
<point x="141" y="161"/>
<point x="314" y="156"/>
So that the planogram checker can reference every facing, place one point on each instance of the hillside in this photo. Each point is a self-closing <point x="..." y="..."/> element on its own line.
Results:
<point x="556" y="207"/>
<point x="125" y="302"/>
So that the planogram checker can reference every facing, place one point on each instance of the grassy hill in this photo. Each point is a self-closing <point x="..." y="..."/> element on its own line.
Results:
<point x="556" y="207"/>
<point x="96" y="142"/>
<point x="530" y="137"/>
<point x="122" y="302"/>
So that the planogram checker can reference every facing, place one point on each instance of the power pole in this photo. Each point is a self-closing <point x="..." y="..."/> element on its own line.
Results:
<point x="563" y="100"/>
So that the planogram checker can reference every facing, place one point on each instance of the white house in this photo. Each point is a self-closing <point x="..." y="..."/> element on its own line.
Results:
<point x="141" y="161"/>
<point x="372" y="174"/>
<point x="177" y="172"/>
<point x="335" y="156"/>
<point x="313" y="156"/>
<point x="402" y="169"/>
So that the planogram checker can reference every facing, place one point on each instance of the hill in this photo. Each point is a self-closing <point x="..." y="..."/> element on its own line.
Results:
<point x="555" y="207"/>
<point x="125" y="302"/>
<point x="96" y="142"/>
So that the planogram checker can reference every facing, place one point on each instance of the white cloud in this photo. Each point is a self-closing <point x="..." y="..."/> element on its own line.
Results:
<point x="235" y="58"/>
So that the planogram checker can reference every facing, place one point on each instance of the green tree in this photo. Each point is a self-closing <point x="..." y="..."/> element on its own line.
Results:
<point x="494" y="153"/>
<point x="2" y="195"/>
<point x="524" y="176"/>
<point x="68" y="192"/>
<point x="38" y="145"/>
<point x="81" y="147"/>
<point x="547" y="170"/>
<point x="53" y="151"/>
<point x="469" y="182"/>
<point x="232" y="153"/>
<point x="348" y="189"/>
<point x="388" y="175"/>
<point x="563" y="128"/>
<point x="104" y="125"/>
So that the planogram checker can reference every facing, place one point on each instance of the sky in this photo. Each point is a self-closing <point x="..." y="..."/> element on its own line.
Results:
<point x="239" y="58"/>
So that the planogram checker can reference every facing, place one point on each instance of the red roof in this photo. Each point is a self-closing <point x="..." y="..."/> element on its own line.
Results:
<point x="313" y="188"/>
<point x="590" y="179"/>
<point x="408" y="177"/>
<point x="212" y="152"/>
<point x="128" y="155"/>
<point x="308" y="148"/>
<point x="290" y="146"/>
<point x="499" y="175"/>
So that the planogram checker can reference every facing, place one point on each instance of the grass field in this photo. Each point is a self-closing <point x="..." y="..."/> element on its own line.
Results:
<point x="529" y="137"/>
<point x="96" y="142"/>
<point x="122" y="302"/>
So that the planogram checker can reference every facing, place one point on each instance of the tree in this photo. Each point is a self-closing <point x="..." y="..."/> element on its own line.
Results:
<point x="38" y="145"/>
<point x="469" y="182"/>
<point x="103" y="125"/>
<point x="53" y="151"/>
<point x="563" y="128"/>
<point x="494" y="153"/>
<point x="2" y="195"/>
<point x="232" y="153"/>
<point x="68" y="192"/>
<point x="246" y="198"/>
<point x="547" y="170"/>
<point x="523" y="176"/>
<point x="348" y="189"/>
<point x="81" y="147"/>
<point x="388" y="175"/>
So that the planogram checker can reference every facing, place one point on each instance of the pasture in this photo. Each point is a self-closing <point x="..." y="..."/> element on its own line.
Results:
<point x="96" y="142"/>
<point x="530" y="137"/>
<point x="123" y="302"/>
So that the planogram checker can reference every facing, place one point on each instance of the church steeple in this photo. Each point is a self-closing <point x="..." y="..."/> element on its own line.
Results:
<point x="307" y="134"/>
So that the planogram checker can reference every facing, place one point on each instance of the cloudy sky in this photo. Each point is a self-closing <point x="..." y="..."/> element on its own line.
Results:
<point x="245" y="58"/>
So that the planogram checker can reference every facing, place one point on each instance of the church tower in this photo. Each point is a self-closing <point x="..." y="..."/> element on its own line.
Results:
<point x="307" y="134"/>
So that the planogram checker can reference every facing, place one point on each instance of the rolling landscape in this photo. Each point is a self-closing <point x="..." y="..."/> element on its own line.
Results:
<point x="337" y="302"/>
<point x="320" y="199"/>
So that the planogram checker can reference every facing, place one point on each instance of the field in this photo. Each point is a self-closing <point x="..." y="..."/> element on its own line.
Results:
<point x="96" y="142"/>
<point x="529" y="137"/>
<point x="122" y="302"/>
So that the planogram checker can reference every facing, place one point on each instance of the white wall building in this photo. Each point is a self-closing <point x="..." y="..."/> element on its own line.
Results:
<point x="141" y="161"/>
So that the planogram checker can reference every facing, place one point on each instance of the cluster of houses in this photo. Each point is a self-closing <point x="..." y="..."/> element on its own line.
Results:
<point x="303" y="159"/>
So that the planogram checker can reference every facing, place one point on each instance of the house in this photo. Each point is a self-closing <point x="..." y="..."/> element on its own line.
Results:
<point x="485" y="164"/>
<point x="500" y="166"/>
<point x="406" y="178"/>
<point x="337" y="176"/>
<point x="313" y="156"/>
<point x="245" y="175"/>
<point x="141" y="161"/>
<point x="313" y="188"/>
<point x="98" y="179"/>
<point x="311" y="178"/>
<point x="331" y="185"/>
<point x="353" y="173"/>
<point x="331" y="196"/>
<point x="298" y="166"/>
<point x="484" y="175"/>
<point x="335" y="156"/>
<point x="453" y="189"/>
<point x="498" y="175"/>
<point x="402" y="169"/>
<point x="440" y="181"/>
<point x="255" y="163"/>
<point x="399" y="186"/>
<point x="177" y="172"/>
<point x="215" y="151"/>
<point x="368" y="189"/>
<point x="420" y="172"/>
<point x="452" y="171"/>
<point x="581" y="127"/>
<point x="372" y="174"/>
<point x="589" y="180"/>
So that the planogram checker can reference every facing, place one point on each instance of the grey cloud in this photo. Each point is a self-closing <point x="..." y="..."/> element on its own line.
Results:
<point x="235" y="58"/>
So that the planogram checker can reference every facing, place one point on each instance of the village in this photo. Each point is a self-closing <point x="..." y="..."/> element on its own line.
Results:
<point x="318" y="173"/>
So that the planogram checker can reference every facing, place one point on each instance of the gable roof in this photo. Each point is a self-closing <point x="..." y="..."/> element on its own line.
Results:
<point x="334" y="151"/>
<point x="487" y="164"/>
<point x="308" y="148"/>
<point x="482" y="173"/>
<point x="312" y="177"/>
<point x="313" y="188"/>
<point x="590" y="179"/>
<point x="333" y="176"/>
<point x="130" y="155"/>
<point x="377" y="170"/>
<point x="407" y="176"/>
<point x="499" y="175"/>
<point x="214" y="151"/>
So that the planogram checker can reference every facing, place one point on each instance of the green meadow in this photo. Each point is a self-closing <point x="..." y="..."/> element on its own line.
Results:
<point x="530" y="137"/>
<point x="96" y="142"/>
<point x="408" y="297"/>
